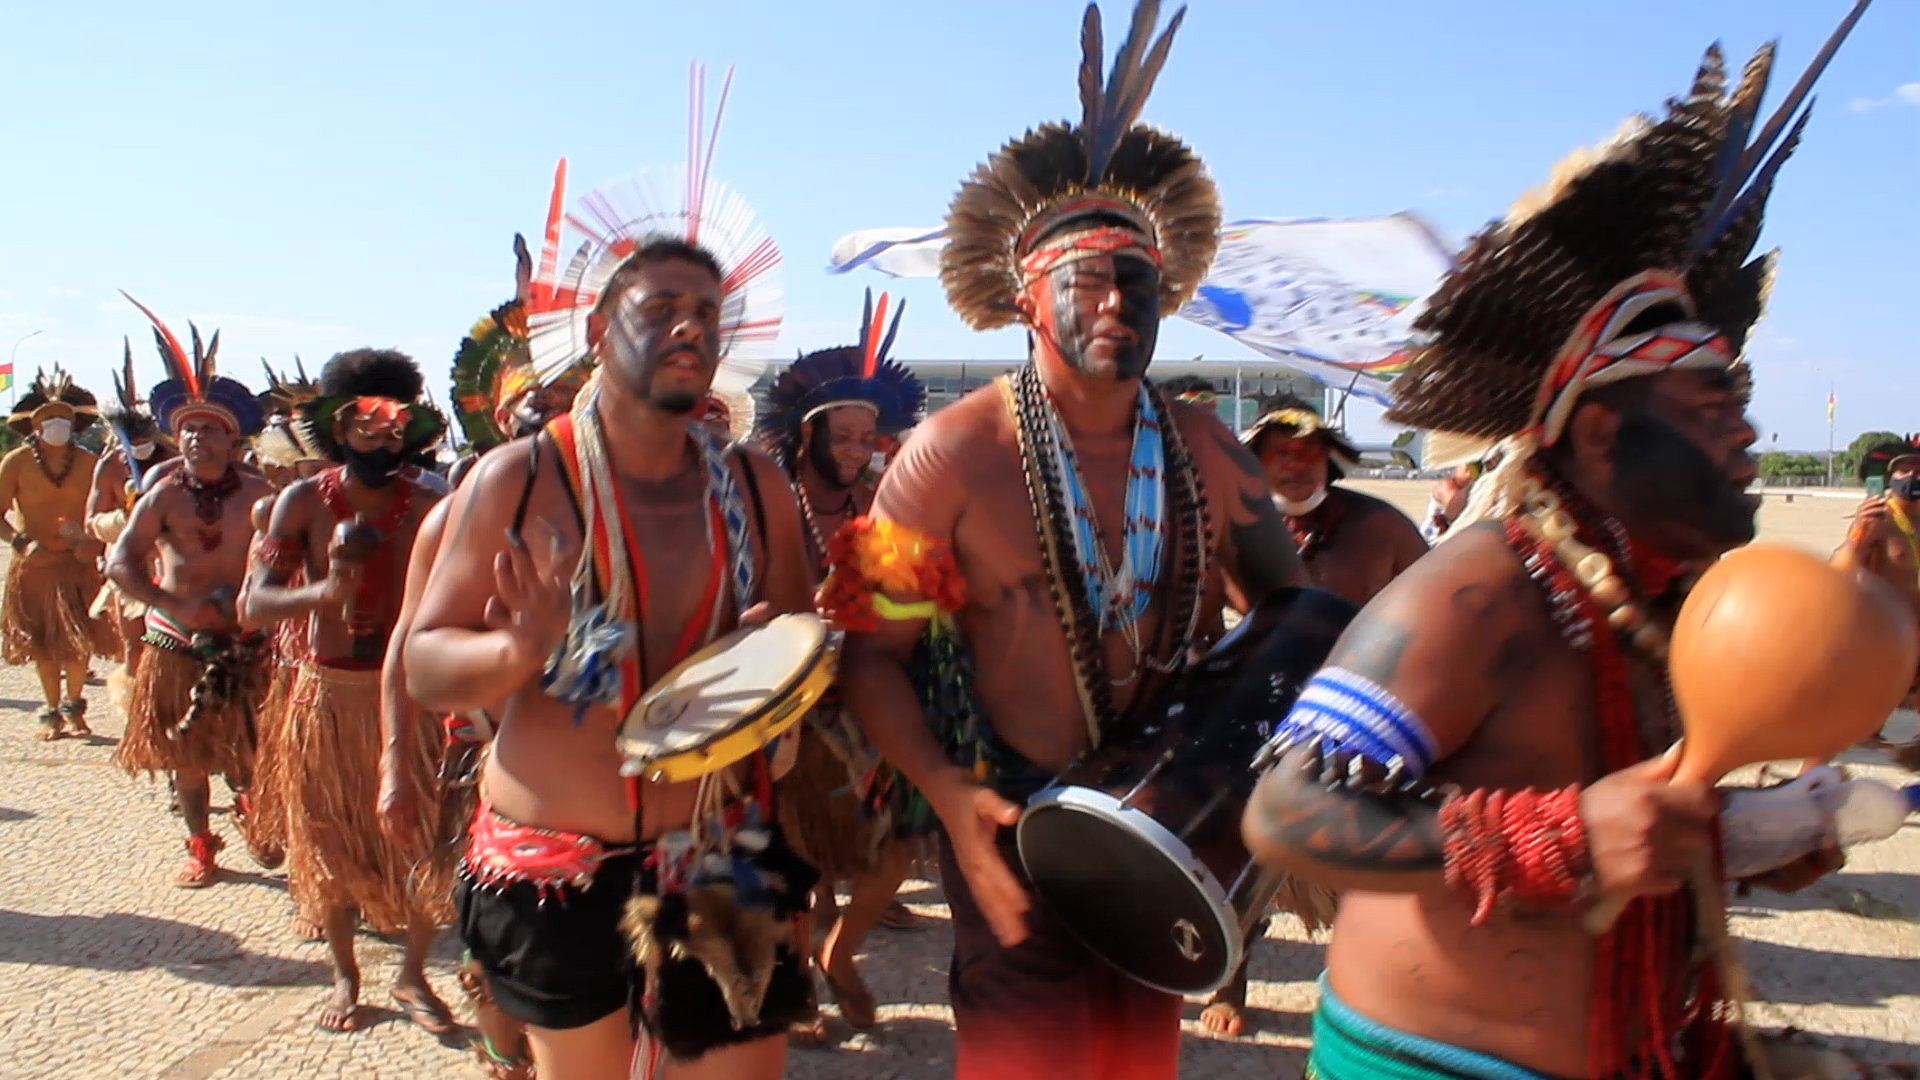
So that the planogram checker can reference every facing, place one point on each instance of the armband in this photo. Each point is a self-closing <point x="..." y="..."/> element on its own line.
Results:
<point x="1353" y="717"/>
<point x="869" y="562"/>
<point x="1515" y="847"/>
<point x="280" y="556"/>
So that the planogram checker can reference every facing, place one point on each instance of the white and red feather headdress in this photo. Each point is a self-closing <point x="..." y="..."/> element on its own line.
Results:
<point x="683" y="202"/>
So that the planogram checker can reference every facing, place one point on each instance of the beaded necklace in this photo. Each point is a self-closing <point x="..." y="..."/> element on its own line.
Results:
<point x="1053" y="523"/>
<point x="40" y="458"/>
<point x="1118" y="596"/>
<point x="1313" y="530"/>
<point x="209" y="502"/>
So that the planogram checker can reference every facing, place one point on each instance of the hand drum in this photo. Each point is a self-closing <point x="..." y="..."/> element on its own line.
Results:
<point x="1777" y="655"/>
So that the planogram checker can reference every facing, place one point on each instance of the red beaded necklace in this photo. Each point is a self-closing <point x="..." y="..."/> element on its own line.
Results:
<point x="1632" y="960"/>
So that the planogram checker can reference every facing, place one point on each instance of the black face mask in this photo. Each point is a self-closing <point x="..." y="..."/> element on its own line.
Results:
<point x="1906" y="487"/>
<point x="374" y="468"/>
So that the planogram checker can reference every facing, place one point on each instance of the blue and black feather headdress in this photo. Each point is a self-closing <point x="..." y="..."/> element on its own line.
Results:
<point x="859" y="375"/>
<point x="193" y="385"/>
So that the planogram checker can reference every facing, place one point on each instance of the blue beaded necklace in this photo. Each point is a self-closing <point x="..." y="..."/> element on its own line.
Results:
<point x="1120" y="597"/>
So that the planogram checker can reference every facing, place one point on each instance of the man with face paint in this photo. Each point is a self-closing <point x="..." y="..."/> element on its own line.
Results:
<point x="348" y="530"/>
<point x="686" y="538"/>
<point x="137" y="448"/>
<point x="821" y="420"/>
<point x="1034" y="491"/>
<point x="1352" y="544"/>
<point x="1485" y="752"/>
<point x="195" y="692"/>
<point x="54" y="574"/>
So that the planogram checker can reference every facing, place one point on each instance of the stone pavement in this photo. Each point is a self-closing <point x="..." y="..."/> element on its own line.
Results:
<point x="107" y="971"/>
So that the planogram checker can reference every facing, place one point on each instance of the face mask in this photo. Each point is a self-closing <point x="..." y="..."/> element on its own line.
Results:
<point x="374" y="468"/>
<point x="56" y="432"/>
<point x="142" y="451"/>
<point x="1297" y="507"/>
<point x="1907" y="487"/>
<point x="878" y="462"/>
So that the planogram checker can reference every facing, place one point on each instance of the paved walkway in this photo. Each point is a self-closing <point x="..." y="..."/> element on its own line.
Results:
<point x="107" y="971"/>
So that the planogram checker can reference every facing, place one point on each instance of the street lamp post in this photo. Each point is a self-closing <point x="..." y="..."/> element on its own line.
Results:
<point x="14" y="399"/>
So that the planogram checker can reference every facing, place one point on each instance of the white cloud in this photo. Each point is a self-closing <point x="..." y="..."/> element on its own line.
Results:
<point x="27" y="319"/>
<point x="1904" y="94"/>
<point x="266" y="324"/>
<point x="62" y="290"/>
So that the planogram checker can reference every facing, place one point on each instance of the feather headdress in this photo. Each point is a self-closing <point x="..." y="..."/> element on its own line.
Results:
<point x="859" y="375"/>
<point x="53" y="397"/>
<point x="193" y="385"/>
<point x="283" y="394"/>
<point x="1878" y="460"/>
<point x="128" y="418"/>
<point x="683" y="203"/>
<point x="1633" y="260"/>
<point x="1106" y="185"/>
<point x="493" y="366"/>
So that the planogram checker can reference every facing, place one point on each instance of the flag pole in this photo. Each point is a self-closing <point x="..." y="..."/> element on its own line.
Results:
<point x="1829" y="434"/>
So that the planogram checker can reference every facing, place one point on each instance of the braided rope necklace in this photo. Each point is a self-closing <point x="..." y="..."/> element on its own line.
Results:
<point x="1054" y="524"/>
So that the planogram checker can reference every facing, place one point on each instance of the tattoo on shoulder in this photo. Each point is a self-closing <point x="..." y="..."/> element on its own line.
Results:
<point x="1393" y="833"/>
<point x="1374" y="648"/>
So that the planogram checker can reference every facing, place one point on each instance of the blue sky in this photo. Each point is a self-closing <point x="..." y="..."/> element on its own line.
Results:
<point x="309" y="178"/>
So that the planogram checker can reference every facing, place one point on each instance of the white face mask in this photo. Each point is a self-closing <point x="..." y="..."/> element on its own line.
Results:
<point x="56" y="432"/>
<point x="878" y="462"/>
<point x="142" y="451"/>
<point x="1294" y="508"/>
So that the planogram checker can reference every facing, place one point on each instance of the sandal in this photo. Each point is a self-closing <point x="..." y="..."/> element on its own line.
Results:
<point x="266" y="855"/>
<point x="898" y="916"/>
<point x="49" y="725"/>
<point x="74" y="711"/>
<point x="430" y="1014"/>
<point x="498" y="1066"/>
<point x="200" y="870"/>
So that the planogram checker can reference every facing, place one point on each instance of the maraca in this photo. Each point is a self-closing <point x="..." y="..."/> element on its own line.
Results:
<point x="354" y="541"/>
<point x="1778" y="656"/>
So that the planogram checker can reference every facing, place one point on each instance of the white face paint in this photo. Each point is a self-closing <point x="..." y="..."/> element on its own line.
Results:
<point x="56" y="432"/>
<point x="142" y="451"/>
<point x="1296" y="507"/>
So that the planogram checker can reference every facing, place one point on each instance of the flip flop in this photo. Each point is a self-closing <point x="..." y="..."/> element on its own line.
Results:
<point x="898" y="916"/>
<point x="424" y="1014"/>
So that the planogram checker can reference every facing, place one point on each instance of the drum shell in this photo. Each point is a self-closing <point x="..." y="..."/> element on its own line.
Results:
<point x="1137" y="847"/>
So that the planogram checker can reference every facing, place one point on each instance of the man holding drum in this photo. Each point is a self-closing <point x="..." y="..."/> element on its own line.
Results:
<point x="1483" y="754"/>
<point x="1033" y="491"/>
<point x="582" y="565"/>
<point x="348" y="530"/>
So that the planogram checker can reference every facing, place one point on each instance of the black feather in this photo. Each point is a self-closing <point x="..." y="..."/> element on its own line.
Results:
<point x="1093" y="54"/>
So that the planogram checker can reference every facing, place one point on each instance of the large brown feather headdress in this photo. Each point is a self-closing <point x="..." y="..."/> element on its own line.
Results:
<point x="1632" y="260"/>
<point x="1106" y="168"/>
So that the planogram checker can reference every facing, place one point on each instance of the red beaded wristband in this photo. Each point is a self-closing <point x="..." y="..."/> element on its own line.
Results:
<point x="1508" y="847"/>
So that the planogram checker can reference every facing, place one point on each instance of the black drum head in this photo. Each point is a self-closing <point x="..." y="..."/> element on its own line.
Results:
<point x="1129" y="900"/>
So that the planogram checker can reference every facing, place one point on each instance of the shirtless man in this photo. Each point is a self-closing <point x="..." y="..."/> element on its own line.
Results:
<point x="1089" y="262"/>
<point x="195" y="693"/>
<point x="1352" y="543"/>
<point x="53" y="576"/>
<point x="324" y="761"/>
<point x="821" y="421"/>
<point x="136" y="442"/>
<point x="1486" y="749"/>
<point x="497" y="613"/>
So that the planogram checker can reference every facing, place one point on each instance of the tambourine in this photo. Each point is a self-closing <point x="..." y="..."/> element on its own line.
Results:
<point x="729" y="699"/>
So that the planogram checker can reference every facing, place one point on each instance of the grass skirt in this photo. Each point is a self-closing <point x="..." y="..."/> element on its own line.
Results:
<point x="820" y="814"/>
<point x="45" y="616"/>
<point x="266" y="828"/>
<point x="219" y="741"/>
<point x="323" y="766"/>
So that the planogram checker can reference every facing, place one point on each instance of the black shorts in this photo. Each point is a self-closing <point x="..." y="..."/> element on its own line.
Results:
<point x="558" y="964"/>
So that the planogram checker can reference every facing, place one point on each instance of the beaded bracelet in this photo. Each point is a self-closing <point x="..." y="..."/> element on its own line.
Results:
<point x="1508" y="847"/>
<point x="282" y="556"/>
